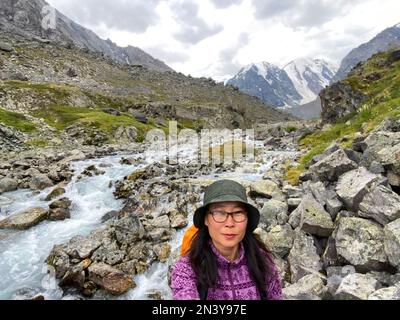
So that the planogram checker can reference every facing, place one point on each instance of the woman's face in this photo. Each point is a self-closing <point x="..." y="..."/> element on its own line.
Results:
<point x="228" y="234"/>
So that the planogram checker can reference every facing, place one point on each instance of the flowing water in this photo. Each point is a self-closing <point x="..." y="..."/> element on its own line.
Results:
<point x="23" y="253"/>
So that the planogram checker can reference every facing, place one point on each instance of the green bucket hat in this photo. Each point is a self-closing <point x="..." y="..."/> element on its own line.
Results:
<point x="226" y="190"/>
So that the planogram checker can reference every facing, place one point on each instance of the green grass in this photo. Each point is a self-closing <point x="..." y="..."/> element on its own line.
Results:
<point x="383" y="103"/>
<point x="16" y="121"/>
<point x="37" y="143"/>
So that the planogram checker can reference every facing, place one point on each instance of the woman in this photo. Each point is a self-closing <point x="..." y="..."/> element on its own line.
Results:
<point x="226" y="261"/>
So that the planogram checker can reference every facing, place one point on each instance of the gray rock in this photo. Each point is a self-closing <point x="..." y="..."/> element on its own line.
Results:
<point x="59" y="214"/>
<point x="80" y="247"/>
<point x="128" y="229"/>
<point x="279" y="240"/>
<point x="178" y="221"/>
<point x="360" y="243"/>
<point x="293" y="192"/>
<point x="390" y="293"/>
<point x="5" y="47"/>
<point x="354" y="185"/>
<point x="55" y="194"/>
<point x="303" y="258"/>
<point x="293" y="203"/>
<point x="110" y="279"/>
<point x="162" y="251"/>
<point x="271" y="210"/>
<point x="59" y="259"/>
<point x="333" y="166"/>
<point x="108" y="255"/>
<point x="381" y="204"/>
<point x="333" y="206"/>
<point x="311" y="217"/>
<point x="356" y="286"/>
<point x="8" y="184"/>
<point x="161" y="222"/>
<point x="110" y="215"/>
<point x="267" y="189"/>
<point x="392" y="242"/>
<point x="40" y="182"/>
<point x="376" y="167"/>
<point x="393" y="178"/>
<point x="24" y="220"/>
<point x="309" y="286"/>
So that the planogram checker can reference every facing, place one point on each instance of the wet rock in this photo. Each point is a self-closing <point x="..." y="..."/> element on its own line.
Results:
<point x="354" y="185"/>
<point x="24" y="220"/>
<point x="162" y="251"/>
<point x="381" y="204"/>
<point x="64" y="203"/>
<point x="27" y="294"/>
<point x="80" y="247"/>
<point x="59" y="259"/>
<point x="360" y="243"/>
<point x="110" y="279"/>
<point x="40" y="182"/>
<point x="55" y="194"/>
<point x="128" y="229"/>
<point x="392" y="242"/>
<point x="356" y="286"/>
<point x="110" y="215"/>
<point x="178" y="221"/>
<point x="92" y="170"/>
<point x="333" y="166"/>
<point x="311" y="217"/>
<point x="8" y="184"/>
<point x="59" y="214"/>
<point x="303" y="258"/>
<point x="160" y="234"/>
<point x="108" y="256"/>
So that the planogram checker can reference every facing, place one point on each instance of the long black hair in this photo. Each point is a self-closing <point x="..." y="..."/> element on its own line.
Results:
<point x="204" y="261"/>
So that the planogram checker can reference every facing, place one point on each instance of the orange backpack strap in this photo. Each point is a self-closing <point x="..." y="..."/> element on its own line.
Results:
<point x="187" y="239"/>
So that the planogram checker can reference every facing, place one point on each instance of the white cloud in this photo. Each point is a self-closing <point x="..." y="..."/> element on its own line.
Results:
<point x="218" y="37"/>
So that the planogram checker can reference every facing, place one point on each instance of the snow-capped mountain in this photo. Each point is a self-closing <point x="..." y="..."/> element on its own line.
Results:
<point x="310" y="76"/>
<point x="299" y="82"/>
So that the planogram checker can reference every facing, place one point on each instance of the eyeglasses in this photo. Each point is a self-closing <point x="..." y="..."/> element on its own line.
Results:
<point x="221" y="216"/>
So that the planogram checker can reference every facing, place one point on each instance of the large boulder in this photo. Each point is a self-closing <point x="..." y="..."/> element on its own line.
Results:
<point x="312" y="218"/>
<point x="381" y="204"/>
<point x="333" y="166"/>
<point x="356" y="286"/>
<point x="392" y="243"/>
<point x="310" y="287"/>
<point x="265" y="188"/>
<point x="8" y="184"/>
<point x="354" y="185"/>
<point x="279" y="240"/>
<point x="24" y="220"/>
<point x="360" y="242"/>
<point x="303" y="258"/>
<point x="274" y="212"/>
<point x="390" y="293"/>
<point x="40" y="182"/>
<point x="128" y="229"/>
<point x="110" y="279"/>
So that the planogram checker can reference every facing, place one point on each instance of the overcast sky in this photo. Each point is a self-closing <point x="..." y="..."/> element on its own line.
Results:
<point x="215" y="38"/>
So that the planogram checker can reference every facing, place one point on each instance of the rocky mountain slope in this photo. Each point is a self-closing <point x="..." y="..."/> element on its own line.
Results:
<point x="388" y="38"/>
<point x="66" y="96"/>
<point x="25" y="18"/>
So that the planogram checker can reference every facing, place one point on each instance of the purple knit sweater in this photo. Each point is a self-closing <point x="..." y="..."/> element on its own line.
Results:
<point x="233" y="281"/>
